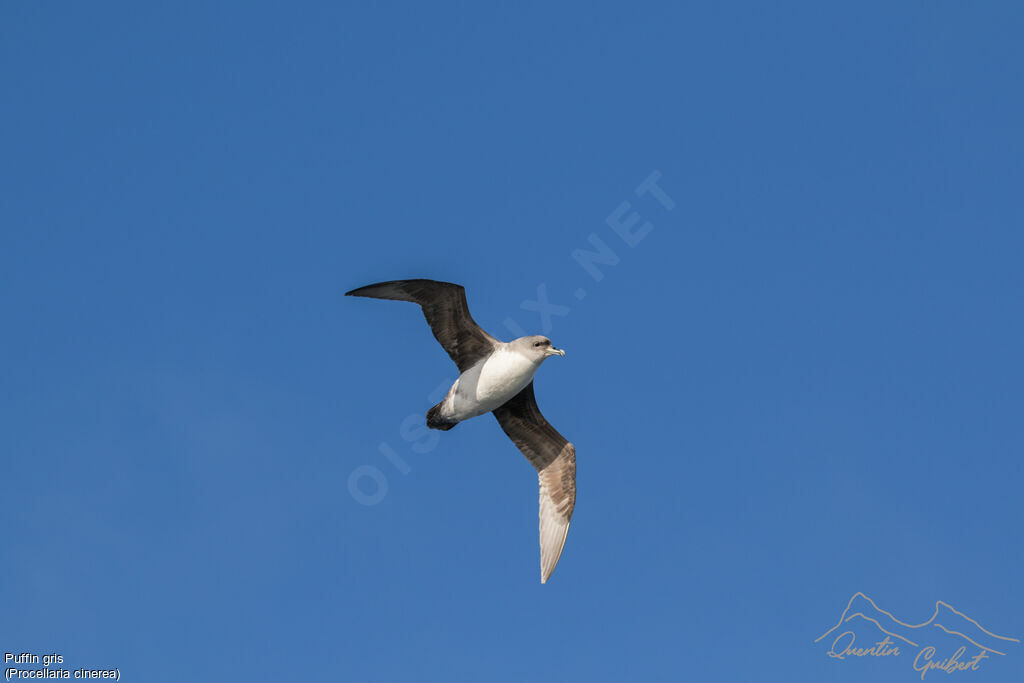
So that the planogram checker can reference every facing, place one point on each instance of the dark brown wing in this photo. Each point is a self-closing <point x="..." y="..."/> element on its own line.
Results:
<point x="445" y="308"/>
<point x="555" y="460"/>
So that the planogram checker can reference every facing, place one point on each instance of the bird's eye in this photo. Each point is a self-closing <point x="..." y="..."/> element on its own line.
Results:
<point x="536" y="344"/>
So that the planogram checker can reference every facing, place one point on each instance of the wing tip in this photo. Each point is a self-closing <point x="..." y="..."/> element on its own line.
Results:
<point x="399" y="292"/>
<point x="545" y="573"/>
<point x="355" y="292"/>
<point x="365" y="289"/>
<point x="362" y="291"/>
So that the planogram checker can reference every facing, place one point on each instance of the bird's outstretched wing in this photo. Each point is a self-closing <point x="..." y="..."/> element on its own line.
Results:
<point x="445" y="308"/>
<point x="555" y="460"/>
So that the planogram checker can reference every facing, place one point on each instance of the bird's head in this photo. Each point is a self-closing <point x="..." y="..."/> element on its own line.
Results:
<point x="537" y="347"/>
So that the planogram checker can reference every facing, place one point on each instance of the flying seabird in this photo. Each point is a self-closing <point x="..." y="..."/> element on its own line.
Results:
<point x="497" y="377"/>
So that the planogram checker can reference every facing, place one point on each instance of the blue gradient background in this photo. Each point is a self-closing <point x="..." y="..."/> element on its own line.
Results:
<point x="804" y="382"/>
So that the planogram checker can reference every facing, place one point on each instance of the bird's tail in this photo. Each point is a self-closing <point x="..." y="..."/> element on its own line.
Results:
<point x="436" y="421"/>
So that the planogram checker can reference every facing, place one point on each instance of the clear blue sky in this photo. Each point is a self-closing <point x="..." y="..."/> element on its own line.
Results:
<point x="803" y="382"/>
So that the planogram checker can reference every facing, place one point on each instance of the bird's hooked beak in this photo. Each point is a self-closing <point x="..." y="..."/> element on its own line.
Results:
<point x="552" y="351"/>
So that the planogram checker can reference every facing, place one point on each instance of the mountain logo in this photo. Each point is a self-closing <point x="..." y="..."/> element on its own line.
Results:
<point x="950" y="641"/>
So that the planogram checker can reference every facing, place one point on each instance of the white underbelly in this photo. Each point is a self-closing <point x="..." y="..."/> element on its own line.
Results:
<point x="490" y="384"/>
